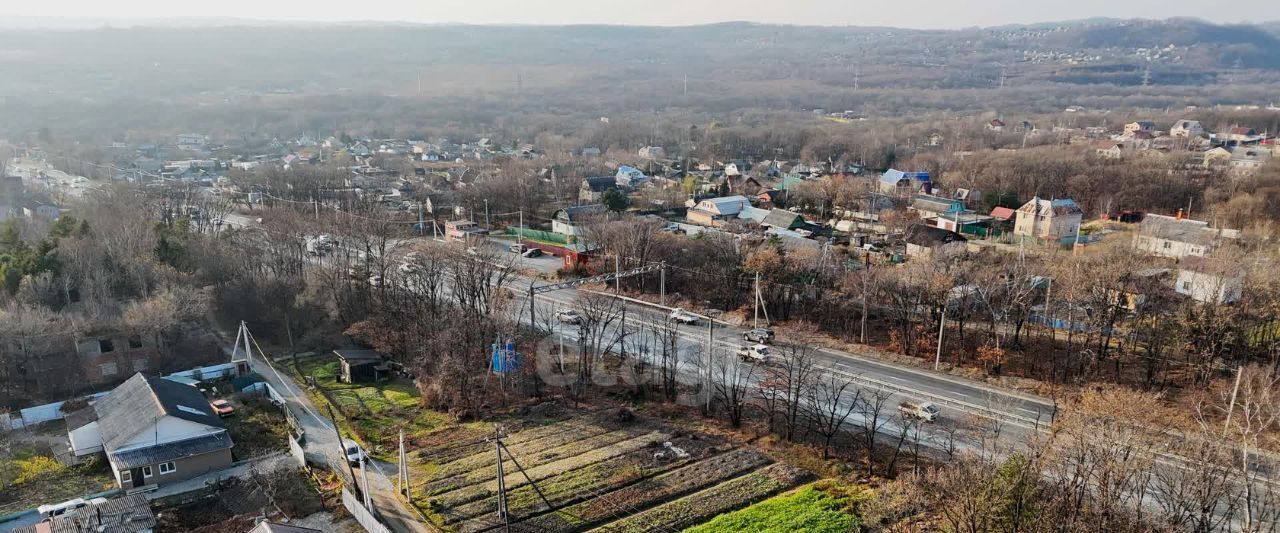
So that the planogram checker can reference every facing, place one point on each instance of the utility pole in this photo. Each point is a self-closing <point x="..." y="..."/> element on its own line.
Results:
<point x="866" y="273"/>
<point x="502" y="482"/>
<point x="662" y="291"/>
<point x="617" y="291"/>
<point x="364" y="476"/>
<point x="520" y="234"/>
<point x="487" y="223"/>
<point x="755" y="322"/>
<point x="711" y="347"/>
<point x="1226" y="426"/>
<point x="342" y="450"/>
<point x="533" y="321"/>
<point x="937" y="359"/>
<point x="404" y="468"/>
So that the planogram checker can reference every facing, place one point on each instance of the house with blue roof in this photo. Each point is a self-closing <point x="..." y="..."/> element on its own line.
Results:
<point x="904" y="183"/>
<point x="629" y="177"/>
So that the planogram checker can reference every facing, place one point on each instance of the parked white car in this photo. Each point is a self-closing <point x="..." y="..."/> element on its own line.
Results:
<point x="756" y="353"/>
<point x="353" y="452"/>
<point x="925" y="411"/>
<point x="683" y="317"/>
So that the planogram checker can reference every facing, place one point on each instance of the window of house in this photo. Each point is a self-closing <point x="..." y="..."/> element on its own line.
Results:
<point x="146" y="472"/>
<point x="106" y="346"/>
<point x="108" y="369"/>
<point x="1168" y="245"/>
<point x="167" y="468"/>
<point x="139" y="365"/>
<point x="135" y="342"/>
<point x="1186" y="285"/>
<point x="126" y="477"/>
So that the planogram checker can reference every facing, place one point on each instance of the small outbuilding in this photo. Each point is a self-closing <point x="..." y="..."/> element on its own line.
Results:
<point x="362" y="366"/>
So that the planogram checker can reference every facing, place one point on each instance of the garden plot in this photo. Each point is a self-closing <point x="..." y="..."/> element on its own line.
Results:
<point x="650" y="492"/>
<point x="583" y="483"/>
<point x="587" y="454"/>
<point x="596" y="471"/>
<point x="706" y="504"/>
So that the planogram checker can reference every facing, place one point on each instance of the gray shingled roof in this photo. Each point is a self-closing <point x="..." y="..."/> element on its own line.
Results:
<point x="780" y="218"/>
<point x="129" y="514"/>
<point x="142" y="400"/>
<point x="1170" y="228"/>
<point x="171" y="451"/>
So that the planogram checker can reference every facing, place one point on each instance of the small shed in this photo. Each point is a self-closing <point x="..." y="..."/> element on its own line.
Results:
<point x="359" y="366"/>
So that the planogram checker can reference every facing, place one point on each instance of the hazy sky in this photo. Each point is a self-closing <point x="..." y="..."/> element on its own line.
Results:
<point x="901" y="13"/>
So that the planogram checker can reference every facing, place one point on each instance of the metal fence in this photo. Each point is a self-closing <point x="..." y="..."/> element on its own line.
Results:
<point x="53" y="411"/>
<point x="37" y="414"/>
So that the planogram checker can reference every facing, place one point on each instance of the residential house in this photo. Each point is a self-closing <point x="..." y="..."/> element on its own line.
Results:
<point x="191" y="140"/>
<point x="732" y="169"/>
<point x="1004" y="214"/>
<point x="924" y="241"/>
<point x="1051" y="220"/>
<point x="1208" y="280"/>
<point x="126" y="514"/>
<point x="464" y="231"/>
<point x="568" y="221"/>
<point x="592" y="189"/>
<point x="591" y="151"/>
<point x="629" y="177"/>
<point x="1177" y="237"/>
<point x="1109" y="149"/>
<point x="769" y="198"/>
<point x="713" y="211"/>
<point x="782" y="219"/>
<point x="996" y="125"/>
<point x="1184" y="129"/>
<point x="929" y="206"/>
<point x="1139" y="126"/>
<point x="153" y="431"/>
<point x="44" y="210"/>
<point x="1217" y="157"/>
<point x="743" y="185"/>
<point x="901" y="183"/>
<point x="936" y="139"/>
<point x="1240" y="135"/>
<point x="653" y="152"/>
<point x="1245" y="160"/>
<point x="107" y="357"/>
<point x="966" y="222"/>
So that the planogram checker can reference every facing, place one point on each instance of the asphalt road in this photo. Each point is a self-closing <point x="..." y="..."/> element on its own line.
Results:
<point x="322" y="441"/>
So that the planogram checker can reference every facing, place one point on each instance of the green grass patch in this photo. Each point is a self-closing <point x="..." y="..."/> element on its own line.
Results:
<point x="31" y="479"/>
<point x="822" y="507"/>
<point x="257" y="428"/>
<point x="373" y="412"/>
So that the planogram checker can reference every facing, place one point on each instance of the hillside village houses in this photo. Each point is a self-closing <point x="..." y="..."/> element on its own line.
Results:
<point x="153" y="430"/>
<point x="1208" y="280"/>
<point x="1137" y="126"/>
<point x="1186" y="129"/>
<point x="1177" y="237"/>
<point x="1049" y="220"/>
